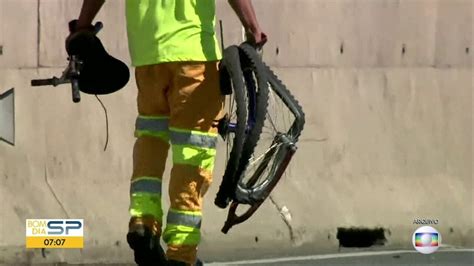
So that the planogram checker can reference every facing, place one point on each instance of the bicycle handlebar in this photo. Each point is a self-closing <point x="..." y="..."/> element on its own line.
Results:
<point x="54" y="81"/>
<point x="76" y="96"/>
<point x="42" y="82"/>
<point x="97" y="27"/>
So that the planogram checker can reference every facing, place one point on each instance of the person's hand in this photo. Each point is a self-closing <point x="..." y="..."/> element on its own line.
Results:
<point x="75" y="30"/>
<point x="257" y="38"/>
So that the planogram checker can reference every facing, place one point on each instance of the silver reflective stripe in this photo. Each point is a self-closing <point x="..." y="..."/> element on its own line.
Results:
<point x="152" y="124"/>
<point x="184" y="219"/>
<point x="187" y="138"/>
<point x="146" y="185"/>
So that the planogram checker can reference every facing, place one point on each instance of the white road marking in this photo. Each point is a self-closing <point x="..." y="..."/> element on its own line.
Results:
<point x="328" y="256"/>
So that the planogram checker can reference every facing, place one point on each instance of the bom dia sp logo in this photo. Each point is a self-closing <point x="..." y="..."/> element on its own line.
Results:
<point x="54" y="233"/>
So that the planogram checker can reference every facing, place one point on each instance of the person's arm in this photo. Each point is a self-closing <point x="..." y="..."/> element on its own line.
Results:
<point x="246" y="13"/>
<point x="89" y="10"/>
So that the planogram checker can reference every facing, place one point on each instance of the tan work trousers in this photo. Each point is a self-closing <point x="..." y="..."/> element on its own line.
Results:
<point x="179" y="103"/>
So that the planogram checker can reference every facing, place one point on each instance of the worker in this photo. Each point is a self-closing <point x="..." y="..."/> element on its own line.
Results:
<point x="175" y="52"/>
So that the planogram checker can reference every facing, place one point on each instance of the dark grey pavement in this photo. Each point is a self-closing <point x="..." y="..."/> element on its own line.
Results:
<point x="441" y="258"/>
<point x="452" y="257"/>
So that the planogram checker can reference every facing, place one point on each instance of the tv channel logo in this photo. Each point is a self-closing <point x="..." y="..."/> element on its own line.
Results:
<point x="426" y="240"/>
<point x="54" y="233"/>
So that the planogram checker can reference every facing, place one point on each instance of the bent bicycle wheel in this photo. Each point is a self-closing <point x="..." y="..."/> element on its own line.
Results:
<point x="232" y="127"/>
<point x="274" y="148"/>
<point x="272" y="151"/>
<point x="251" y="92"/>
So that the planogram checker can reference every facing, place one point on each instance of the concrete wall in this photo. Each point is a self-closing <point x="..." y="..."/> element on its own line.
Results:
<point x="388" y="136"/>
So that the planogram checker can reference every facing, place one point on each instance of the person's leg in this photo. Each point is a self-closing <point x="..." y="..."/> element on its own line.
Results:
<point x="196" y="104"/>
<point x="149" y="159"/>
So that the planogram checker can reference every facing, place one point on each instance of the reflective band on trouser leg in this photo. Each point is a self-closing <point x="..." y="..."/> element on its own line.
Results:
<point x="145" y="197"/>
<point x="153" y="126"/>
<point x="186" y="218"/>
<point x="182" y="240"/>
<point x="179" y="235"/>
<point x="194" y="148"/>
<point x="182" y="227"/>
<point x="193" y="138"/>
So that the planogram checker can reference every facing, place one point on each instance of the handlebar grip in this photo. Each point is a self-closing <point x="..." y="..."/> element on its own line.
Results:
<point x="41" y="82"/>
<point x="76" y="96"/>
<point x="98" y="26"/>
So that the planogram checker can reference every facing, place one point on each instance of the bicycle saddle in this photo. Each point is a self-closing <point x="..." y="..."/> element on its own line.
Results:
<point x="100" y="73"/>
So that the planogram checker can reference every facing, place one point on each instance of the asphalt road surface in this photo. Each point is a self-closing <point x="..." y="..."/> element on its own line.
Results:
<point x="444" y="257"/>
<point x="454" y="257"/>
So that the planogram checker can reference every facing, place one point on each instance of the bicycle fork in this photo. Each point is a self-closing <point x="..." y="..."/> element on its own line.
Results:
<point x="234" y="219"/>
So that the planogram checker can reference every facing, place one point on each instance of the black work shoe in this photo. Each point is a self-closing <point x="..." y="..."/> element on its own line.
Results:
<point x="145" y="244"/>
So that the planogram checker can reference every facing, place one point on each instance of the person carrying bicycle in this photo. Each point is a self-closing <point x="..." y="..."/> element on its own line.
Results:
<point x="174" y="50"/>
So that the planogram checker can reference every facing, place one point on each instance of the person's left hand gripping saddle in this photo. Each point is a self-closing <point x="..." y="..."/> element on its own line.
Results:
<point x="100" y="73"/>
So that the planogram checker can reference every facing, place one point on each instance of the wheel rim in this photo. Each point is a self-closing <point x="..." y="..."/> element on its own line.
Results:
<point x="279" y="120"/>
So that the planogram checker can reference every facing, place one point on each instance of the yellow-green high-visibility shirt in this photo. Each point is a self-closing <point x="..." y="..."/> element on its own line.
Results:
<point x="171" y="31"/>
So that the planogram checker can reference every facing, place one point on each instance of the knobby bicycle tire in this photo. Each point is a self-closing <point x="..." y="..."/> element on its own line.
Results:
<point x="291" y="102"/>
<point x="231" y="65"/>
<point x="253" y="63"/>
